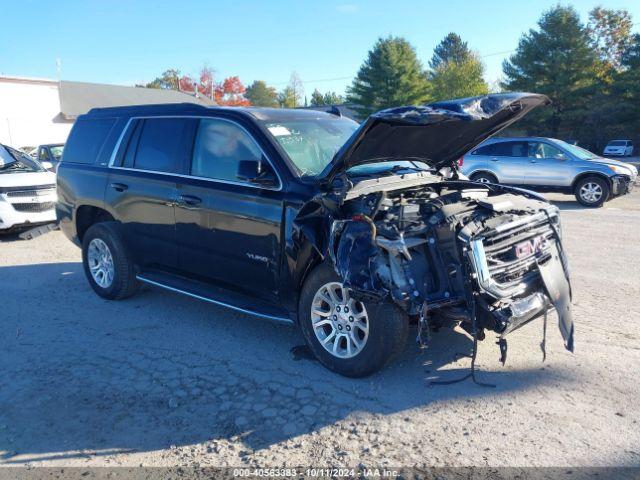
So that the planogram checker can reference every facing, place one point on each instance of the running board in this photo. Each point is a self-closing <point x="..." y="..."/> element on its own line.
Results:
<point x="215" y="295"/>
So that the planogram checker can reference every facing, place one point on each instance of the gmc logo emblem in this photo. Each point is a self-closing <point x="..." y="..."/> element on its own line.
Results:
<point x="531" y="247"/>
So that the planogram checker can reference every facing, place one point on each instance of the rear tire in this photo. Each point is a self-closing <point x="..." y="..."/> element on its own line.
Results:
<point x="483" y="177"/>
<point x="107" y="263"/>
<point x="386" y="325"/>
<point x="592" y="191"/>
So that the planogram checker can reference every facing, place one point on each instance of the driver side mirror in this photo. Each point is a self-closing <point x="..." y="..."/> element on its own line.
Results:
<point x="256" y="171"/>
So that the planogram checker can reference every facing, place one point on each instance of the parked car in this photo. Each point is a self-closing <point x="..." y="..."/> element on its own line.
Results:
<point x="253" y="209"/>
<point x="49" y="155"/>
<point x="623" y="148"/>
<point x="27" y="191"/>
<point x="547" y="164"/>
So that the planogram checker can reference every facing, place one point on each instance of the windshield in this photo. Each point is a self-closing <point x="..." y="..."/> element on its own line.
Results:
<point x="311" y="144"/>
<point x="617" y="143"/>
<point x="576" y="151"/>
<point x="14" y="161"/>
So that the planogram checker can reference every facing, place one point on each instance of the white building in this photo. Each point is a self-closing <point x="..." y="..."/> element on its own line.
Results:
<point x="39" y="111"/>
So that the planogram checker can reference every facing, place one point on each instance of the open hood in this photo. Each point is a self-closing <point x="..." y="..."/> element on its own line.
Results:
<point x="438" y="133"/>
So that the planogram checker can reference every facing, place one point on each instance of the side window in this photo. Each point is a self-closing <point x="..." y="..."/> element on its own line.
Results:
<point x="162" y="144"/>
<point x="486" y="150"/>
<point x="219" y="147"/>
<point x="544" y="150"/>
<point x="510" y="149"/>
<point x="43" y="157"/>
<point x="86" y="139"/>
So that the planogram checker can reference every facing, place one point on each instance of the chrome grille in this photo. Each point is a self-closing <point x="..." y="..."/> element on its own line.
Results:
<point x="504" y="266"/>
<point x="30" y="193"/>
<point x="33" y="207"/>
<point x="499" y="270"/>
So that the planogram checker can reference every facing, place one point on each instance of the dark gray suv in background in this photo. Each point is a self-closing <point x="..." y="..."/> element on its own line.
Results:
<point x="547" y="164"/>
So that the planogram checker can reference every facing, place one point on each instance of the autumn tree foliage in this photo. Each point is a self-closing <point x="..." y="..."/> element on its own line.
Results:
<point x="228" y="92"/>
<point x="231" y="93"/>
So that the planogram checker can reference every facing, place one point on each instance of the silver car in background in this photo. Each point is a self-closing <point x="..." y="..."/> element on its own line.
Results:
<point x="550" y="165"/>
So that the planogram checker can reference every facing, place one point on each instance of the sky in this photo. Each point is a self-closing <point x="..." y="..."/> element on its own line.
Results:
<point x="324" y="41"/>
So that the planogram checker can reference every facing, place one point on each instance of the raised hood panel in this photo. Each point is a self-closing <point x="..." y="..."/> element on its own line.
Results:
<point x="439" y="133"/>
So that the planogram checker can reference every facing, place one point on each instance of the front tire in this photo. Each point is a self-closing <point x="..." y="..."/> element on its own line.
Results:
<point x="483" y="177"/>
<point x="349" y="337"/>
<point x="592" y="192"/>
<point x="107" y="263"/>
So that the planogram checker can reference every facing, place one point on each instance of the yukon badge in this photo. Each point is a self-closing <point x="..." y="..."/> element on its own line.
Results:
<point x="258" y="258"/>
<point x="530" y="247"/>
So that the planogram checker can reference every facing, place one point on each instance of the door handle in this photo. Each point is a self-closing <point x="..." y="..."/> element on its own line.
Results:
<point x="119" y="187"/>
<point x="494" y="159"/>
<point x="189" y="200"/>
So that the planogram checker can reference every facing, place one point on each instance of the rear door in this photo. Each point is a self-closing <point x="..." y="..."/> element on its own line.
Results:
<point x="228" y="230"/>
<point x="142" y="188"/>
<point x="548" y="166"/>
<point x="507" y="160"/>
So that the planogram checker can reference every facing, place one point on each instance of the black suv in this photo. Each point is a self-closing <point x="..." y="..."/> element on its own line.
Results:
<point x="348" y="231"/>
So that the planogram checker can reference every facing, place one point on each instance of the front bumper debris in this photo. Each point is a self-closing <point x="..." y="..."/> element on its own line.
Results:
<point x="621" y="185"/>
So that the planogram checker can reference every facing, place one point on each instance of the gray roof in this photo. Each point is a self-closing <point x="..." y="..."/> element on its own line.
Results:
<point x="345" y="110"/>
<point x="77" y="98"/>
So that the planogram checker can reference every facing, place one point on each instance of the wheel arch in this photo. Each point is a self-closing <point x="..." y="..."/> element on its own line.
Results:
<point x="486" y="172"/>
<point x="584" y="175"/>
<point x="88" y="215"/>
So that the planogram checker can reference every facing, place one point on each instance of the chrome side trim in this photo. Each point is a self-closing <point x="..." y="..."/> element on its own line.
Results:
<point x="214" y="180"/>
<point x="116" y="147"/>
<point x="216" y="302"/>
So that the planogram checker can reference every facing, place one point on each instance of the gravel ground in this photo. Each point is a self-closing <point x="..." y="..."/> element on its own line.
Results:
<point x="161" y="379"/>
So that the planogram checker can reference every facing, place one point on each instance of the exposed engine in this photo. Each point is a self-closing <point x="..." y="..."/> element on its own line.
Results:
<point x="455" y="252"/>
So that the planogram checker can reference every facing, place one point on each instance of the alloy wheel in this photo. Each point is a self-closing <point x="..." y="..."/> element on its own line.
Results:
<point x="591" y="192"/>
<point x="339" y="322"/>
<point x="100" y="263"/>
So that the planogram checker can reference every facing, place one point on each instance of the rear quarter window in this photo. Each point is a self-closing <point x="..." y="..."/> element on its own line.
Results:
<point x="87" y="139"/>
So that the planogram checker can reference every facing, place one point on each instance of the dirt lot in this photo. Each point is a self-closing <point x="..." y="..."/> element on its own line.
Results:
<point x="162" y="379"/>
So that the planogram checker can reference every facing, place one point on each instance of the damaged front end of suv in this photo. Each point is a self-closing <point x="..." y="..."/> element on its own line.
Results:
<point x="445" y="250"/>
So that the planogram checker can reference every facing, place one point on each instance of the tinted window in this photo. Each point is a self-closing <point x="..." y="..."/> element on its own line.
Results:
<point x="86" y="139"/>
<point x="219" y="147"/>
<point x="486" y="150"/>
<point x="617" y="143"/>
<point x="162" y="144"/>
<point x="511" y="149"/>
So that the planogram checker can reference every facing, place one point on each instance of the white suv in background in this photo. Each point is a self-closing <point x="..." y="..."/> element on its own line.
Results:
<point x="623" y="148"/>
<point x="27" y="191"/>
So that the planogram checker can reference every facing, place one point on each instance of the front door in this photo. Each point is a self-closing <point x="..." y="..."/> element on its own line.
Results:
<point x="548" y="166"/>
<point x="142" y="187"/>
<point x="228" y="230"/>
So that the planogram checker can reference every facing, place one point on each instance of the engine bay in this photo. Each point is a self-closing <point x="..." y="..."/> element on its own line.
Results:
<point x="455" y="252"/>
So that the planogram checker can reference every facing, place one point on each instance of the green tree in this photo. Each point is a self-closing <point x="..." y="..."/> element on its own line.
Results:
<point x="332" y="98"/>
<point x="556" y="60"/>
<point x="261" y="95"/>
<point x="610" y="34"/>
<point x="287" y="98"/>
<point x="296" y="89"/>
<point x="317" y="98"/>
<point x="451" y="48"/>
<point x="169" y="80"/>
<point x="329" y="98"/>
<point x="390" y="76"/>
<point x="625" y="93"/>
<point x="458" y="79"/>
